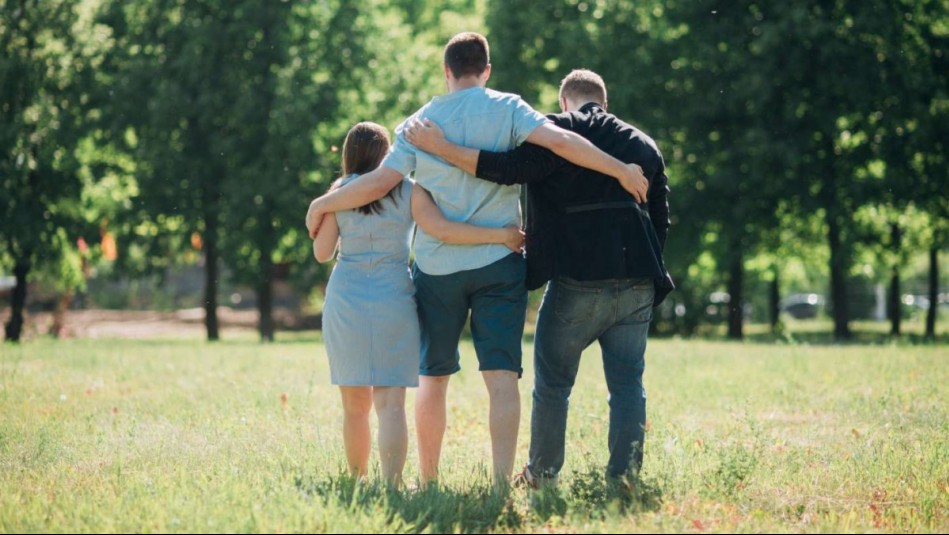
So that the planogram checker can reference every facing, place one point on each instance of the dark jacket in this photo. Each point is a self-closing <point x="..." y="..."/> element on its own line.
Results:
<point x="582" y="224"/>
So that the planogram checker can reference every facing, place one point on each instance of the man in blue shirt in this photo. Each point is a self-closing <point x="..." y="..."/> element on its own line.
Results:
<point x="602" y="255"/>
<point x="486" y="280"/>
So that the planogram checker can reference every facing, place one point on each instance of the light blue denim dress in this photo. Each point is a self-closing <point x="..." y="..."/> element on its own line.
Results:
<point x="370" y="322"/>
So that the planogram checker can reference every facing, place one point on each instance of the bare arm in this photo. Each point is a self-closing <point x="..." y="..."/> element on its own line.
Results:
<point x="327" y="239"/>
<point x="578" y="150"/>
<point x="372" y="186"/>
<point x="431" y="219"/>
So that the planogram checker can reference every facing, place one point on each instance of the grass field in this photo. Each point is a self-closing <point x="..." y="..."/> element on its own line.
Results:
<point x="179" y="435"/>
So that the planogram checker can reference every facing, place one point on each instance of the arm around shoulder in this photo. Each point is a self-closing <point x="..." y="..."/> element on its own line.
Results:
<point x="370" y="187"/>
<point x="580" y="151"/>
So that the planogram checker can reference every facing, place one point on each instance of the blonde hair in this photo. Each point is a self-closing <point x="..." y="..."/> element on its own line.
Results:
<point x="583" y="84"/>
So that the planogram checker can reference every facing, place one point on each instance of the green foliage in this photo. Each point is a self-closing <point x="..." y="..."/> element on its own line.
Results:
<point x="778" y="122"/>
<point x="235" y="114"/>
<point x="789" y="130"/>
<point x="49" y="52"/>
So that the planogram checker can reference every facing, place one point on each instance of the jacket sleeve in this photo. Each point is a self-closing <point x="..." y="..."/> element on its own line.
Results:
<point x="523" y="165"/>
<point x="659" y="202"/>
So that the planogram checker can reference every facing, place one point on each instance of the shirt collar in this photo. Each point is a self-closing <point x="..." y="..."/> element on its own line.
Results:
<point x="591" y="107"/>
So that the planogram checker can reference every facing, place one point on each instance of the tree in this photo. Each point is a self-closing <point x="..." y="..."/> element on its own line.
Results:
<point x="834" y="133"/>
<point x="293" y="82"/>
<point x="925" y="122"/>
<point x="234" y="112"/>
<point x="46" y="73"/>
<point x="696" y="75"/>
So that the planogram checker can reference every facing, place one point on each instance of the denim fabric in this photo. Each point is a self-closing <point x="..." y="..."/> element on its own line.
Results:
<point x="573" y="315"/>
<point x="497" y="298"/>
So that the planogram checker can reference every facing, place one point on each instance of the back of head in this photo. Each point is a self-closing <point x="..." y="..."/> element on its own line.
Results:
<point x="364" y="149"/>
<point x="583" y="85"/>
<point x="365" y="146"/>
<point x="467" y="54"/>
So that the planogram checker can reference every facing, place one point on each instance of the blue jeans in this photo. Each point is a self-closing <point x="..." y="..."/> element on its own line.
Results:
<point x="572" y="316"/>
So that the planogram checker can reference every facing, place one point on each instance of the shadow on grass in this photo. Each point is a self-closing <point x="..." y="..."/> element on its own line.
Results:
<point x="481" y="507"/>
<point x="433" y="510"/>
<point x="592" y="493"/>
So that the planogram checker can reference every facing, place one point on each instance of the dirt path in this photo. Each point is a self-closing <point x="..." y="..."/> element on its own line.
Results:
<point x="146" y="324"/>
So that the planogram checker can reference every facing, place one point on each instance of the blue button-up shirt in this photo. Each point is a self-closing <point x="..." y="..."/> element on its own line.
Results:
<point x="477" y="118"/>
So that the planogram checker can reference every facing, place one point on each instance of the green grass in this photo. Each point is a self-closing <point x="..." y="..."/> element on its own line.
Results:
<point x="183" y="436"/>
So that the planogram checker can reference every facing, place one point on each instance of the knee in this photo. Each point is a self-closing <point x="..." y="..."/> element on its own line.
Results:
<point x="631" y="388"/>
<point x="433" y="387"/>
<point x="502" y="386"/>
<point x="389" y="400"/>
<point x="559" y="379"/>
<point x="626" y="397"/>
<point x="357" y="406"/>
<point x="354" y="410"/>
<point x="552" y="394"/>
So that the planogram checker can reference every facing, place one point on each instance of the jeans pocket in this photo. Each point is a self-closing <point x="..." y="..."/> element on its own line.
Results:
<point x="575" y="304"/>
<point x="637" y="303"/>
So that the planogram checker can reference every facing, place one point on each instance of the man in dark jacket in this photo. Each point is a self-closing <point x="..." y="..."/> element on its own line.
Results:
<point x="600" y="254"/>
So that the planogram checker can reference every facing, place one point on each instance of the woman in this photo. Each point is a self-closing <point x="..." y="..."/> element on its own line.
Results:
<point x="370" y="324"/>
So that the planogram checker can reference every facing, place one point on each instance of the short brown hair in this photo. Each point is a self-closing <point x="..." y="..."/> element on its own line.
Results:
<point x="583" y="84"/>
<point x="466" y="54"/>
<point x="366" y="145"/>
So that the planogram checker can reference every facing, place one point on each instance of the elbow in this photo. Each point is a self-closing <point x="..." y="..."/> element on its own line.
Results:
<point x="324" y="255"/>
<point x="439" y="232"/>
<point x="560" y="142"/>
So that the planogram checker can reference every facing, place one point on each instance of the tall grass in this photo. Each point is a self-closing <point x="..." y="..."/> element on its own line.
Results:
<point x="178" y="435"/>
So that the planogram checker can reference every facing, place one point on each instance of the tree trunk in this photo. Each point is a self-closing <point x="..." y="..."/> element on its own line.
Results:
<point x="265" y="300"/>
<point x="735" y="312"/>
<point x="14" y="327"/>
<point x="210" y="275"/>
<point x="894" y="307"/>
<point x="774" y="298"/>
<point x="933" y="292"/>
<point x="838" y="281"/>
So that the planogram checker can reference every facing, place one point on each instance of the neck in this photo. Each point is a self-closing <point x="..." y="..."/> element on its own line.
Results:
<point x="465" y="82"/>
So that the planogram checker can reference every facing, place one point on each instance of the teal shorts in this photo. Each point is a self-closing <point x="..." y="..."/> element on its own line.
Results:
<point x="497" y="299"/>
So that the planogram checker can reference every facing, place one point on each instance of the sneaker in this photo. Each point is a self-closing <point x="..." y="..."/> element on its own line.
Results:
<point x="526" y="479"/>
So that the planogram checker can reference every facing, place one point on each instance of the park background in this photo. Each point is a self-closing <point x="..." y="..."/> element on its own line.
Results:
<point x="157" y="158"/>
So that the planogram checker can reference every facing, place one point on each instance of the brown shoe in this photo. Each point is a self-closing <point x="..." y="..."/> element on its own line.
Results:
<point x="526" y="479"/>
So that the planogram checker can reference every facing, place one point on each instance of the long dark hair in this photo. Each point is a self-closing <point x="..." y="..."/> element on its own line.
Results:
<point x="366" y="145"/>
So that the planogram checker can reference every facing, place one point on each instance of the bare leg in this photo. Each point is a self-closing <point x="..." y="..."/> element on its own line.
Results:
<point x="505" y="417"/>
<point x="393" y="432"/>
<point x="430" y="424"/>
<point x="357" y="402"/>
